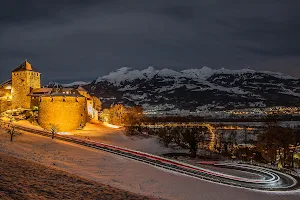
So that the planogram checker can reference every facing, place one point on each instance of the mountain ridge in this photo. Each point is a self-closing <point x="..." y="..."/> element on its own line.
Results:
<point x="196" y="90"/>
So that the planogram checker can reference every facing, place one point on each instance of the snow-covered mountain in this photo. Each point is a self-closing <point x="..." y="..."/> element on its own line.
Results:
<point x="196" y="89"/>
<point x="76" y="83"/>
<point x="73" y="84"/>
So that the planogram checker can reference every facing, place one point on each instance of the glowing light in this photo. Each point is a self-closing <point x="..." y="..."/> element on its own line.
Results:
<point x="8" y="87"/>
<point x="213" y="140"/>
<point x="111" y="125"/>
<point x="8" y="97"/>
<point x="64" y="133"/>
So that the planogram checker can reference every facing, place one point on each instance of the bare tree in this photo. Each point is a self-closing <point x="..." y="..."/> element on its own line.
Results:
<point x="166" y="135"/>
<point x="53" y="130"/>
<point x="185" y="137"/>
<point x="12" y="132"/>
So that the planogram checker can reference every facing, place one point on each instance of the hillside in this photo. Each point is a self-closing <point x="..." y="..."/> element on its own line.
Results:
<point x="196" y="89"/>
<point x="21" y="179"/>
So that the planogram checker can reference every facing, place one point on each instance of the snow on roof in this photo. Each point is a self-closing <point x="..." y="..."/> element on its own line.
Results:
<point x="5" y="83"/>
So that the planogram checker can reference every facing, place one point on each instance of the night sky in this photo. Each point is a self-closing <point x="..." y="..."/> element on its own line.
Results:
<point x="81" y="39"/>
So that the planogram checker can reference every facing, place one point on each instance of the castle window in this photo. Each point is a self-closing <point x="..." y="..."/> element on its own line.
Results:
<point x="51" y="100"/>
<point x="64" y="100"/>
<point x="40" y="99"/>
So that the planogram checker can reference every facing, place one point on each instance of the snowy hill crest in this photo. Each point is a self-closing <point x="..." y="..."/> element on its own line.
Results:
<point x="129" y="74"/>
<point x="195" y="89"/>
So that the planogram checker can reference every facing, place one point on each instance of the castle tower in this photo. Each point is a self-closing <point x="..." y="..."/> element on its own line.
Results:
<point x="24" y="79"/>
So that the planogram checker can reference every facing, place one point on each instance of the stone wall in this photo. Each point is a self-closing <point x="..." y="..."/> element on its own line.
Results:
<point x="35" y="102"/>
<point x="65" y="113"/>
<point x="4" y="105"/>
<point x="22" y="83"/>
<point x="5" y="100"/>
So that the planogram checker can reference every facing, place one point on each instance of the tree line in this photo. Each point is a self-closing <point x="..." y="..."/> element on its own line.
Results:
<point x="278" y="144"/>
<point x="233" y="118"/>
<point x="274" y="144"/>
<point x="120" y="115"/>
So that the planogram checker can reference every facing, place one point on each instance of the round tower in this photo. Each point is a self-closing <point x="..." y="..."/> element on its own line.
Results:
<point x="65" y="112"/>
<point x="24" y="79"/>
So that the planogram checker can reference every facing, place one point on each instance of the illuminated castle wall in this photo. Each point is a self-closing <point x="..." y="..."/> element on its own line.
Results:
<point x="4" y="105"/>
<point x="5" y="96"/>
<point x="66" y="113"/>
<point x="66" y="108"/>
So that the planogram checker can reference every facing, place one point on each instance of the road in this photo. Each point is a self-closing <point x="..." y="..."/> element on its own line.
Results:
<point x="267" y="179"/>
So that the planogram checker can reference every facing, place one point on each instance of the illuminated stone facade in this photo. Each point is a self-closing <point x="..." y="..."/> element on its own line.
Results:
<point x="65" y="108"/>
<point x="5" y="96"/>
<point x="4" y="105"/>
<point x="24" y="79"/>
<point x="66" y="113"/>
<point x="92" y="113"/>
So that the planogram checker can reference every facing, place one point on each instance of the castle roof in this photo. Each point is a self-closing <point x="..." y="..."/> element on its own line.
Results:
<point x="25" y="66"/>
<point x="6" y="83"/>
<point x="46" y="92"/>
<point x="65" y="92"/>
<point x="40" y="92"/>
<point x="81" y="89"/>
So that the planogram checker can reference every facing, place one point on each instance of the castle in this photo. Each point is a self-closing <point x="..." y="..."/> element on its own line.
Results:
<point x="65" y="108"/>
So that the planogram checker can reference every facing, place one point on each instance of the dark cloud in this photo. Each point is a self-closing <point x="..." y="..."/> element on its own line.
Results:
<point x="183" y="12"/>
<point x="81" y="40"/>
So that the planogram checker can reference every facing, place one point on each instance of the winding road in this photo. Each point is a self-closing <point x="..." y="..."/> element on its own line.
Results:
<point x="265" y="179"/>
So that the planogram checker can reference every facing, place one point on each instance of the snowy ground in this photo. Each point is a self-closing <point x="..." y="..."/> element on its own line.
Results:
<point x="124" y="173"/>
<point x="22" y="179"/>
<point x="98" y="132"/>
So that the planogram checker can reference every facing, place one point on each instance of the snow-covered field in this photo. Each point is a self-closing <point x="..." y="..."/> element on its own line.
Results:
<point x="98" y="132"/>
<point x="124" y="173"/>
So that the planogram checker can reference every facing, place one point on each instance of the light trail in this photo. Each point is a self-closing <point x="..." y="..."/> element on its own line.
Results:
<point x="272" y="180"/>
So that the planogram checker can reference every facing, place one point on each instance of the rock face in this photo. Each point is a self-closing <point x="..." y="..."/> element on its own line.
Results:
<point x="196" y="89"/>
